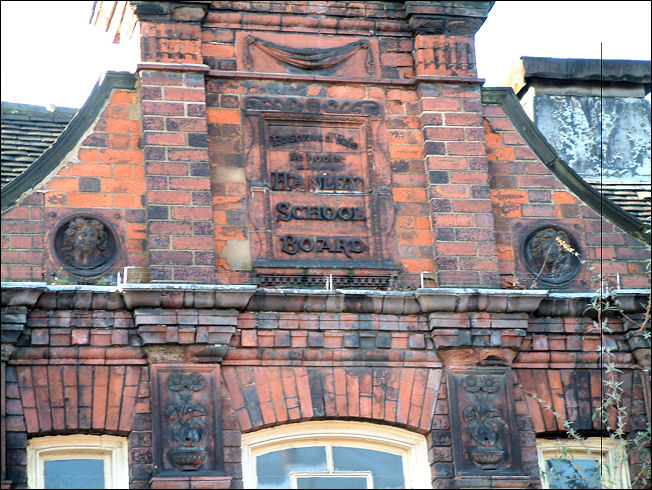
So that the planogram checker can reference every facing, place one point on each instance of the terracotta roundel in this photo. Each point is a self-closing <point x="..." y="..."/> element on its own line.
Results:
<point x="85" y="245"/>
<point x="551" y="254"/>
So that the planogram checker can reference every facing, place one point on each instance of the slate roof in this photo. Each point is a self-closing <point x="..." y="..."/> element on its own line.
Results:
<point x="633" y="196"/>
<point x="27" y="131"/>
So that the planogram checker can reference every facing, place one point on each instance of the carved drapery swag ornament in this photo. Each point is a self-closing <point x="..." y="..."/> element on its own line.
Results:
<point x="187" y="422"/>
<point x="484" y="429"/>
<point x="308" y="58"/>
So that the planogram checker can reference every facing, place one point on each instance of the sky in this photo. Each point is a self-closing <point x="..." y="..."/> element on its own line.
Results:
<point x="52" y="55"/>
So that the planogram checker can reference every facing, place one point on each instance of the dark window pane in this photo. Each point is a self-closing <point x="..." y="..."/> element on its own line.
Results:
<point x="274" y="468"/>
<point x="74" y="473"/>
<point x="331" y="482"/>
<point x="578" y="473"/>
<point x="386" y="468"/>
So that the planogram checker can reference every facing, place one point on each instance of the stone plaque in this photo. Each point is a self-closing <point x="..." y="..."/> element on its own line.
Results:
<point x="320" y="186"/>
<point x="186" y="420"/>
<point x="485" y="433"/>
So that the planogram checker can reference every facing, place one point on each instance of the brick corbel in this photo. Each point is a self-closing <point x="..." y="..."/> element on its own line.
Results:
<point x="463" y="339"/>
<point x="185" y="335"/>
<point x="473" y="326"/>
<point x="17" y="300"/>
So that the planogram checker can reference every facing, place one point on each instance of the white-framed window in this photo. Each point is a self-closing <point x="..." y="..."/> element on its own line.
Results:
<point x="594" y="463"/>
<point x="77" y="461"/>
<point x="335" y="454"/>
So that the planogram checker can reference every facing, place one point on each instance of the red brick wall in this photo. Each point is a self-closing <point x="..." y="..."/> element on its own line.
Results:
<point x="178" y="186"/>
<point x="462" y="193"/>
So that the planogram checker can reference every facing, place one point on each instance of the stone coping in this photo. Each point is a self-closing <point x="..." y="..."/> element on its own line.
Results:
<point x="630" y="71"/>
<point x="246" y="297"/>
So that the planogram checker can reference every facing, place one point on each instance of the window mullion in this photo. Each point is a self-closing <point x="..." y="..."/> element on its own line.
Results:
<point x="329" y="458"/>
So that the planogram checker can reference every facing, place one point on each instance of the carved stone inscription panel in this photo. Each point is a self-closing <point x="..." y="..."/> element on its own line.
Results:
<point x="185" y="411"/>
<point x="320" y="190"/>
<point x="485" y="433"/>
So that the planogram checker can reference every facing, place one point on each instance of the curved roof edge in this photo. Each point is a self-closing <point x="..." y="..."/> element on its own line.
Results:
<point x="505" y="97"/>
<point x="68" y="139"/>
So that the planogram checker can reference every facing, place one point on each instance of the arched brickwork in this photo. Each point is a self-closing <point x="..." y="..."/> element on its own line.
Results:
<point x="270" y="395"/>
<point x="576" y="394"/>
<point x="78" y="398"/>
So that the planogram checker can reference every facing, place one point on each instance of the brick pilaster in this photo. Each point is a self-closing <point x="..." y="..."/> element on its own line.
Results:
<point x="180" y="226"/>
<point x="454" y="146"/>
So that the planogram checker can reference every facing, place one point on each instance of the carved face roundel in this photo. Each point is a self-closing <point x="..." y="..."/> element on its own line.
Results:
<point x="85" y="245"/>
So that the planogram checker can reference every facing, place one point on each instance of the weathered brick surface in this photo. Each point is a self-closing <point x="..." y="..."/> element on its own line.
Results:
<point x="524" y="193"/>
<point x="458" y="188"/>
<point x="172" y="166"/>
<point x="263" y="396"/>
<point x="180" y="228"/>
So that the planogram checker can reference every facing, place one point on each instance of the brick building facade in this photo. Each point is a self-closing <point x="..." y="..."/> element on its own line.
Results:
<point x="331" y="232"/>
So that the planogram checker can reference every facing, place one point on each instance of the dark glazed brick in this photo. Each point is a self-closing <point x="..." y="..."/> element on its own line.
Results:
<point x="202" y="199"/>
<point x="445" y="234"/>
<point x="400" y="166"/>
<point x="442" y="470"/>
<point x="253" y="405"/>
<point x="141" y="455"/>
<point x="197" y="140"/>
<point x="383" y="340"/>
<point x="315" y="339"/>
<point x="200" y="169"/>
<point x="135" y="216"/>
<point x="95" y="139"/>
<point x="16" y="440"/>
<point x="140" y="471"/>
<point x="154" y="153"/>
<point x="316" y="393"/>
<point x="227" y="65"/>
<point x="441" y="205"/>
<point x="229" y="101"/>
<point x="350" y="340"/>
<point x="480" y="192"/>
<point x="158" y="212"/>
<point x="89" y="184"/>
<point x="438" y="177"/>
<point x="435" y="148"/>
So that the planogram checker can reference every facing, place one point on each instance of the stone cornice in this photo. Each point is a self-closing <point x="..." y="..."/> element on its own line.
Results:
<point x="451" y="18"/>
<point x="539" y="302"/>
